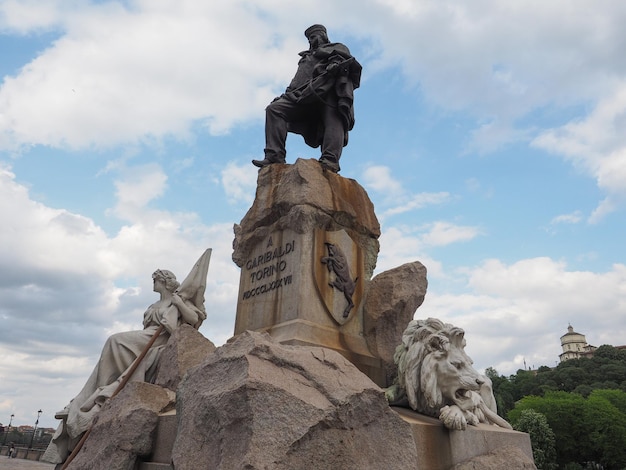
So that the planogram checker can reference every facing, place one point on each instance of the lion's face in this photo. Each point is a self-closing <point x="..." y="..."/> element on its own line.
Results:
<point x="454" y="378"/>
<point x="433" y="368"/>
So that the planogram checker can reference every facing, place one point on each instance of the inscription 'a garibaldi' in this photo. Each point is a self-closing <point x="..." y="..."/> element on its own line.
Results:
<point x="270" y="255"/>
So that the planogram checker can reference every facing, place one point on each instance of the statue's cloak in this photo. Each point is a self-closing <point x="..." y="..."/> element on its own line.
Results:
<point x="334" y="89"/>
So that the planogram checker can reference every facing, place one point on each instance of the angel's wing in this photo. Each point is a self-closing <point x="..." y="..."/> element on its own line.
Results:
<point x="193" y="287"/>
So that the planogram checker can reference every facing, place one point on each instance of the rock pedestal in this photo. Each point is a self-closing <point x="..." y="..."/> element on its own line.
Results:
<point x="392" y="299"/>
<point x="258" y="404"/>
<point x="307" y="249"/>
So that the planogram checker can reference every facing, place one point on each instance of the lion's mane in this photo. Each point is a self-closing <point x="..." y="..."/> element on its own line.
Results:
<point x="436" y="377"/>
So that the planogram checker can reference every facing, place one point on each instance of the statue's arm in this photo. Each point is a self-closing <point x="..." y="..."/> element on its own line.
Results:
<point x="187" y="313"/>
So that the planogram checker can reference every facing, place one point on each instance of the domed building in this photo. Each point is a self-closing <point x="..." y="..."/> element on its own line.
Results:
<point x="575" y="345"/>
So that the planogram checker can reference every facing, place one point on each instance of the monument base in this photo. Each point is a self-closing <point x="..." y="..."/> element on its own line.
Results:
<point x="307" y="249"/>
<point x="354" y="348"/>
<point x="439" y="448"/>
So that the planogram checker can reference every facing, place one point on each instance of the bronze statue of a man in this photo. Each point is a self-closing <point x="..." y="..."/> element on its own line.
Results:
<point x="317" y="104"/>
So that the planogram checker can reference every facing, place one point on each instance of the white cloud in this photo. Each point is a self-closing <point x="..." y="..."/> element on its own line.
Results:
<point x="65" y="285"/>
<point x="239" y="182"/>
<point x="417" y="201"/>
<point x="378" y="177"/>
<point x="404" y="244"/>
<point x="396" y="199"/>
<point x="605" y="207"/>
<point x="445" y="233"/>
<point x="596" y="145"/>
<point x="517" y="312"/>
<point x="547" y="288"/>
<point x="573" y="218"/>
<point x="25" y="16"/>
<point x="401" y="245"/>
<point x="153" y="68"/>
<point x="493" y="135"/>
<point x="543" y="59"/>
<point x="42" y="237"/>
<point x="138" y="186"/>
<point x="123" y="75"/>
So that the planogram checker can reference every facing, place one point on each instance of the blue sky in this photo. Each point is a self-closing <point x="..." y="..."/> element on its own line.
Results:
<point x="490" y="138"/>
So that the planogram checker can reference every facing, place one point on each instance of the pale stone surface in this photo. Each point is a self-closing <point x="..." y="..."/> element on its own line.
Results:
<point x="124" y="429"/>
<point x="303" y="197"/>
<point x="281" y="245"/>
<point x="440" y="449"/>
<point x="509" y="458"/>
<point x="257" y="404"/>
<point x="164" y="440"/>
<point x="186" y="348"/>
<point x="436" y="377"/>
<point x="392" y="299"/>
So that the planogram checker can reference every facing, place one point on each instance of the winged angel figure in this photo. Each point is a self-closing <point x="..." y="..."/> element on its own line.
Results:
<point x="133" y="355"/>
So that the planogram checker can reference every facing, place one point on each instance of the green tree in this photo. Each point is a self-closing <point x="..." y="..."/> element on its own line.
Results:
<point x="569" y="376"/>
<point x="502" y="391"/>
<point x="586" y="430"/>
<point x="617" y="398"/>
<point x="608" y="352"/>
<point x="584" y="390"/>
<point x="614" y="372"/>
<point x="606" y="431"/>
<point x="564" y="413"/>
<point x="525" y="383"/>
<point x="541" y="438"/>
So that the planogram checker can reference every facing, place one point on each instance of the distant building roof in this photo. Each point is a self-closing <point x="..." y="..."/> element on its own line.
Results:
<point x="570" y="331"/>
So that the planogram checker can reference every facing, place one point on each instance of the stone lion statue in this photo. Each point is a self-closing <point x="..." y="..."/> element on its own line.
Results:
<point x="436" y="377"/>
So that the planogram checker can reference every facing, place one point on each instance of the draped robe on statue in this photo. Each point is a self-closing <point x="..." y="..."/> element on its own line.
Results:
<point x="118" y="354"/>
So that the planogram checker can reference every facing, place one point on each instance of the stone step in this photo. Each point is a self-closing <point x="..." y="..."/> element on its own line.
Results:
<point x="164" y="439"/>
<point x="440" y="449"/>
<point x="163" y="442"/>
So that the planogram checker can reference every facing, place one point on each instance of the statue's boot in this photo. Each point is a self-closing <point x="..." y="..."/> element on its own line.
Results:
<point x="263" y="163"/>
<point x="329" y="164"/>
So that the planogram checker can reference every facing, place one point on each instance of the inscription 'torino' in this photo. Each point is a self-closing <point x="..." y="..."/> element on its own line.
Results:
<point x="267" y="265"/>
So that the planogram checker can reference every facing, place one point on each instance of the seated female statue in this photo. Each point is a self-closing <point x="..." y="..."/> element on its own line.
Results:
<point x="176" y="305"/>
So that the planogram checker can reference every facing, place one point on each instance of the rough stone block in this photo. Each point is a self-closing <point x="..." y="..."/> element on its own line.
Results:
<point x="124" y="429"/>
<point x="258" y="404"/>
<point x="392" y="299"/>
<point x="186" y="348"/>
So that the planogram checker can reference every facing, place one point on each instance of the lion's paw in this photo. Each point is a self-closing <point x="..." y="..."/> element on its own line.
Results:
<point x="453" y="417"/>
<point x="391" y="393"/>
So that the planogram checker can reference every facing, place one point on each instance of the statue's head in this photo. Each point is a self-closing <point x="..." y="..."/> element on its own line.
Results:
<point x="317" y="35"/>
<point x="171" y="284"/>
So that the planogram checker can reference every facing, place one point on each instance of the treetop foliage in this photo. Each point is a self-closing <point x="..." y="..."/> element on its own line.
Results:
<point x="605" y="370"/>
<point x="584" y="404"/>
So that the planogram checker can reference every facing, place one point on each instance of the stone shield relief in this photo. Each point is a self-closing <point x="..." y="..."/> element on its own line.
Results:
<point x="338" y="273"/>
